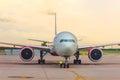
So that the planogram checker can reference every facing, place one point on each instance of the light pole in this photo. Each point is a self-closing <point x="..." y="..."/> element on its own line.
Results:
<point x="55" y="24"/>
<point x="55" y="18"/>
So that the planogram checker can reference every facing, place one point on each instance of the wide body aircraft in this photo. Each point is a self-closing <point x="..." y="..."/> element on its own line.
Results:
<point x="65" y="44"/>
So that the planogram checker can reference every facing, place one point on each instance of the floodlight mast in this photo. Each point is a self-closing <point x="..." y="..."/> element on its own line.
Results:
<point x="55" y="20"/>
<point x="55" y="24"/>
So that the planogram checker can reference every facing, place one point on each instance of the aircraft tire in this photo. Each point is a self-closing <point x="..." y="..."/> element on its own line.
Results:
<point x="77" y="61"/>
<point x="66" y="65"/>
<point x="74" y="61"/>
<point x="41" y="61"/>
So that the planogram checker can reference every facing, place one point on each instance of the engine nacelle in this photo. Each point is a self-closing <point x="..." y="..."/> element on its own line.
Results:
<point x="26" y="54"/>
<point x="95" y="54"/>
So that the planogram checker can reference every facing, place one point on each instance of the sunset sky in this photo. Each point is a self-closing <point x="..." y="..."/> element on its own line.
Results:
<point x="93" y="21"/>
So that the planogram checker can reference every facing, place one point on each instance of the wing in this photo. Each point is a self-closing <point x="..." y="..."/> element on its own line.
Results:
<point x="100" y="45"/>
<point x="40" y="40"/>
<point x="23" y="45"/>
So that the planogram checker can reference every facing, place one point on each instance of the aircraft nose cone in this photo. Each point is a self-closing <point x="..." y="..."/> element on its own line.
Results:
<point x="69" y="49"/>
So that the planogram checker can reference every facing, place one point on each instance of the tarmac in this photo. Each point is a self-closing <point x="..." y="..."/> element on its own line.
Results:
<point x="12" y="68"/>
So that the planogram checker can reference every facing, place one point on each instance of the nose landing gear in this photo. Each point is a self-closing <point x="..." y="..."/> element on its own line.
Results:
<point x="66" y="64"/>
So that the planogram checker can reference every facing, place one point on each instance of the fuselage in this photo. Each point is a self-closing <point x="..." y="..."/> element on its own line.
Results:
<point x="65" y="44"/>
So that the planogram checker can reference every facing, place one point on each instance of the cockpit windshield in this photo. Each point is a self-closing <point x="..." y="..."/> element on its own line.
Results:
<point x="67" y="40"/>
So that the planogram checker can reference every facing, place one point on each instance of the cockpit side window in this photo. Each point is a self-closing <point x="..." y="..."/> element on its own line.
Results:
<point x="67" y="40"/>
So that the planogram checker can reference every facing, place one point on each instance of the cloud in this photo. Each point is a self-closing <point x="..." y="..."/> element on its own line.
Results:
<point x="28" y="18"/>
<point x="7" y="20"/>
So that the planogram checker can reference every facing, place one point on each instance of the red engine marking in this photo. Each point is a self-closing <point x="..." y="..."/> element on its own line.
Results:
<point x="54" y="54"/>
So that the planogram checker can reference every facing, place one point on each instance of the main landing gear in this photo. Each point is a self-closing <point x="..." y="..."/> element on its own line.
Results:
<point x="77" y="60"/>
<point x="41" y="60"/>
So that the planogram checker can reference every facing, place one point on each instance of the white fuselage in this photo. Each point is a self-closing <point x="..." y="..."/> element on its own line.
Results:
<point x="65" y="44"/>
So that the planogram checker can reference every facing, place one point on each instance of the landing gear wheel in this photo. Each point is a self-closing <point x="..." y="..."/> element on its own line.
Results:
<point x="66" y="65"/>
<point x="41" y="61"/>
<point x="77" y="61"/>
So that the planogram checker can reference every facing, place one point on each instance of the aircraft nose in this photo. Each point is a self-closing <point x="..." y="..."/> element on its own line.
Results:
<point x="69" y="49"/>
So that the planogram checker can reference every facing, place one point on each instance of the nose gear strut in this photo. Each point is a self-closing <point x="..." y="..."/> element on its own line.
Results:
<point x="66" y="64"/>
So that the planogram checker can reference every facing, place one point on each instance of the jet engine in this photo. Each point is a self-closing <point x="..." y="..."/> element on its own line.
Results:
<point x="26" y="54"/>
<point x="95" y="54"/>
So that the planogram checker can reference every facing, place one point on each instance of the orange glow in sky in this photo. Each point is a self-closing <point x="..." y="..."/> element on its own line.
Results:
<point x="94" y="21"/>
